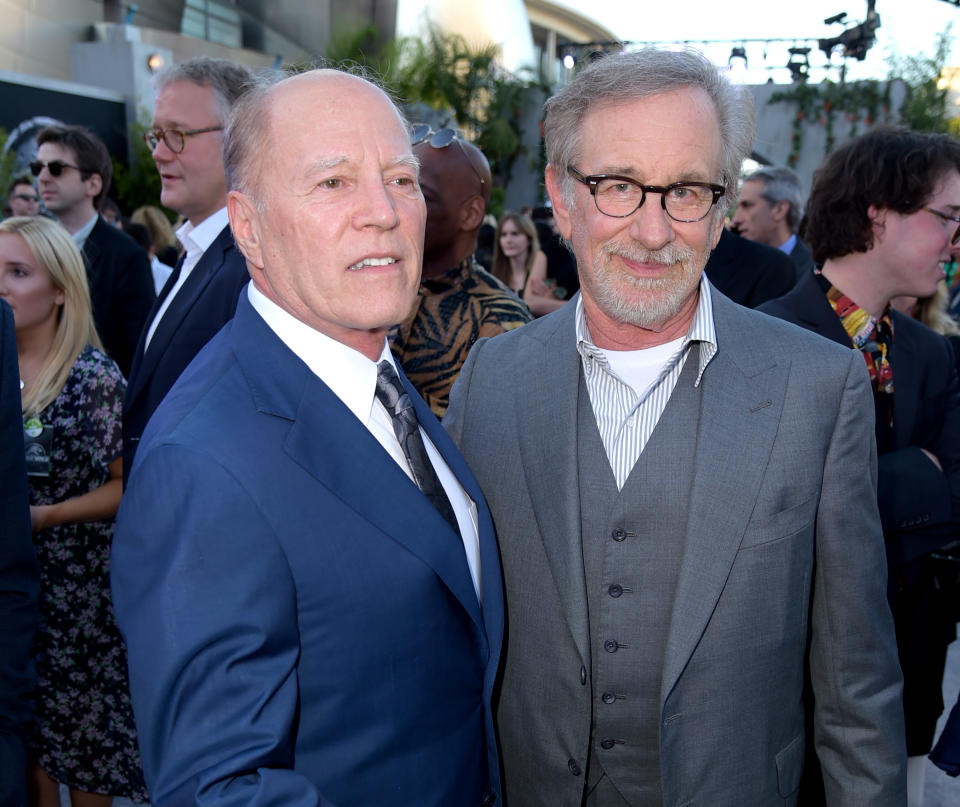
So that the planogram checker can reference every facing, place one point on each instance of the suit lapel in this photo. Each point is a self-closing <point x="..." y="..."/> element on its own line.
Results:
<point x="742" y="397"/>
<point x="548" y="447"/>
<point x="328" y="442"/>
<point x="211" y="260"/>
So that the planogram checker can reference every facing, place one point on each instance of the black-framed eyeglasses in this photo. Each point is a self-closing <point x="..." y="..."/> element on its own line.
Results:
<point x="26" y="197"/>
<point x="55" y="167"/>
<point x="423" y="133"/>
<point x="175" y="139"/>
<point x="947" y="217"/>
<point x="618" y="196"/>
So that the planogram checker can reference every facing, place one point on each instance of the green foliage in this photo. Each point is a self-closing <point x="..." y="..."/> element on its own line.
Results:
<point x="8" y="167"/>
<point x="924" y="108"/>
<point x="139" y="184"/>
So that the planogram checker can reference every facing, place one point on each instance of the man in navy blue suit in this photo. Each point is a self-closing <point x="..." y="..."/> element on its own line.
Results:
<point x="193" y="101"/>
<point x="18" y="577"/>
<point x="313" y="607"/>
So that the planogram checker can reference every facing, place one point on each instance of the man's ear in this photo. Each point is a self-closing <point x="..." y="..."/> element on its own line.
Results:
<point x="94" y="184"/>
<point x="878" y="220"/>
<point x="471" y="214"/>
<point x="780" y="210"/>
<point x="246" y="226"/>
<point x="561" y="213"/>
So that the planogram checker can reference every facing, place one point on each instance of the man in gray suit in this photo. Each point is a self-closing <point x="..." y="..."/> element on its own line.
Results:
<point x="683" y="489"/>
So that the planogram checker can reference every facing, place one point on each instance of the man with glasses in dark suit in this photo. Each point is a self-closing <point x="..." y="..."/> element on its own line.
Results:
<point x="193" y="102"/>
<point x="73" y="171"/>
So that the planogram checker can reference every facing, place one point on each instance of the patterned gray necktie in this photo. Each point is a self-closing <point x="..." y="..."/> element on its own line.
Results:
<point x="393" y="396"/>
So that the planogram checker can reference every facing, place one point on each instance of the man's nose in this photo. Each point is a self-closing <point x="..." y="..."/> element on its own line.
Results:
<point x="650" y="225"/>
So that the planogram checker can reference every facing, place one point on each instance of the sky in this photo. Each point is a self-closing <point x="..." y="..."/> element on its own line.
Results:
<point x="906" y="27"/>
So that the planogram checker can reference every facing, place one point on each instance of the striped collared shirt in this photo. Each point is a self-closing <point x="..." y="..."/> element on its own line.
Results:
<point x="625" y="419"/>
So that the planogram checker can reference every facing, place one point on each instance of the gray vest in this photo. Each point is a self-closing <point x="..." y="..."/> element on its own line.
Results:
<point x="632" y="547"/>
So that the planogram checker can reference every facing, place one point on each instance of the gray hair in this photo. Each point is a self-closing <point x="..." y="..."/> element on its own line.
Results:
<point x="247" y="131"/>
<point x="780" y="184"/>
<point x="228" y="80"/>
<point x="625" y="77"/>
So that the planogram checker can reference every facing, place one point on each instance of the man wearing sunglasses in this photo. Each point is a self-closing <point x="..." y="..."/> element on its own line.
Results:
<point x="459" y="301"/>
<point x="23" y="200"/>
<point x="682" y="489"/>
<point x="883" y="219"/>
<point x="73" y="172"/>
<point x="193" y="101"/>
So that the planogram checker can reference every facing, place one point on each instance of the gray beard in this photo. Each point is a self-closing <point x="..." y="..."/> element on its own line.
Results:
<point x="658" y="299"/>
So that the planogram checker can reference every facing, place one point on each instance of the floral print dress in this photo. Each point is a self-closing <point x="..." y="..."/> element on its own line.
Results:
<point x="83" y="733"/>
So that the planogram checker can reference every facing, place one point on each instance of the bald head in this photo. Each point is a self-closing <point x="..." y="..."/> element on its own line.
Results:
<point x="455" y="181"/>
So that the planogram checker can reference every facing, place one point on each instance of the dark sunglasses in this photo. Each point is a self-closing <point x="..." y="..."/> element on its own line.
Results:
<point x="55" y="167"/>
<point x="423" y="133"/>
<point x="26" y="197"/>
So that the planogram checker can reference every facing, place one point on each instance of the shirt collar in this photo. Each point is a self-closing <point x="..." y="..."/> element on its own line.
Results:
<point x="198" y="238"/>
<point x="788" y="245"/>
<point x="80" y="236"/>
<point x="351" y="376"/>
<point x="702" y="330"/>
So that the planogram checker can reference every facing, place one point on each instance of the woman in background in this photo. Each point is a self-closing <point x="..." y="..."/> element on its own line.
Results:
<point x="83" y="733"/>
<point x="521" y="265"/>
<point x="165" y="243"/>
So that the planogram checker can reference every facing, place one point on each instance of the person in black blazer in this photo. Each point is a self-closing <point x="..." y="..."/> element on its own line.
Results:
<point x="19" y="581"/>
<point x="201" y="294"/>
<point x="73" y="171"/>
<point x="880" y="225"/>
<point x="769" y="211"/>
<point x="748" y="272"/>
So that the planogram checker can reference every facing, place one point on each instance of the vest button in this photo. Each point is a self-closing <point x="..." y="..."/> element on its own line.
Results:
<point x="615" y="590"/>
<point x="607" y="744"/>
<point x="573" y="766"/>
<point x="610" y="646"/>
<point x="619" y="534"/>
<point x="608" y="697"/>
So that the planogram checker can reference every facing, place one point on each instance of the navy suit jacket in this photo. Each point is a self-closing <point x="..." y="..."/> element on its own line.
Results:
<point x="18" y="577"/>
<point x="802" y="260"/>
<point x="748" y="272"/>
<point x="919" y="505"/>
<point x="121" y="289"/>
<point x="301" y="623"/>
<point x="203" y="305"/>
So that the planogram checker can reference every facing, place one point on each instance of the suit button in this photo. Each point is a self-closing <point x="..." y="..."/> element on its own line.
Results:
<point x="607" y="744"/>
<point x="610" y="646"/>
<point x="619" y="534"/>
<point x="489" y="799"/>
<point x="583" y="676"/>
<point x="573" y="766"/>
<point x="608" y="697"/>
<point x="615" y="590"/>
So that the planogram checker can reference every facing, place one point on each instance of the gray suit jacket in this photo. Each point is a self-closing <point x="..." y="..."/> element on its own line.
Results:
<point x="783" y="562"/>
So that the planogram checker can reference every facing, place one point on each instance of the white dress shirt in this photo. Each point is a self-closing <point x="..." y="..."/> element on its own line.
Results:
<point x="196" y="241"/>
<point x="80" y="236"/>
<point x="352" y="377"/>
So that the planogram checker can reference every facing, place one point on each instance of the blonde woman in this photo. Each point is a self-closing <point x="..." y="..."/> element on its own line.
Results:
<point x="165" y="243"/>
<point x="83" y="734"/>
<point x="519" y="262"/>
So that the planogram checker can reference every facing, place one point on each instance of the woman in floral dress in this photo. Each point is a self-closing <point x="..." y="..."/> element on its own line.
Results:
<point x="83" y="734"/>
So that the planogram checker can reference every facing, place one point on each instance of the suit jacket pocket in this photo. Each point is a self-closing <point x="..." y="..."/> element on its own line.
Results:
<point x="790" y="766"/>
<point x="766" y="528"/>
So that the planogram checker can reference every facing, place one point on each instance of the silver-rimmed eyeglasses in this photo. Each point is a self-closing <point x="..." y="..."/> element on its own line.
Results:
<point x="947" y="217"/>
<point x="175" y="139"/>
<point x="619" y="196"/>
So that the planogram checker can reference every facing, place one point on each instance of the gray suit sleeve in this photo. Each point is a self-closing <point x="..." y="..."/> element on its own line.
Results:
<point x="858" y="715"/>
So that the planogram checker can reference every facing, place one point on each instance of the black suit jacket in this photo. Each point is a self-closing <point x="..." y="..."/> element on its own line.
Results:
<point x="121" y="290"/>
<point x="203" y="305"/>
<point x="802" y="260"/>
<point x="748" y="272"/>
<point x="919" y="505"/>
<point x="18" y="576"/>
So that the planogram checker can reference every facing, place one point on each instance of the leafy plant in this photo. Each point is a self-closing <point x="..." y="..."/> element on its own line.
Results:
<point x="924" y="108"/>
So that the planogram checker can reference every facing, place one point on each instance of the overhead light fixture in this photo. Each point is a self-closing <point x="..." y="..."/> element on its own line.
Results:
<point x="155" y="62"/>
<point x="737" y="54"/>
<point x="798" y="64"/>
<point x="569" y="61"/>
